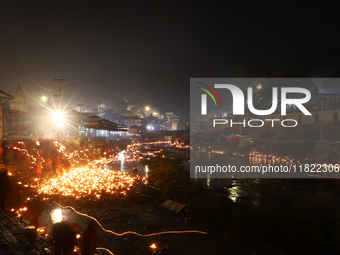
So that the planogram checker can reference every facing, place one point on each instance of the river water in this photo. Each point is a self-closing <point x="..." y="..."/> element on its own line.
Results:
<point x="310" y="198"/>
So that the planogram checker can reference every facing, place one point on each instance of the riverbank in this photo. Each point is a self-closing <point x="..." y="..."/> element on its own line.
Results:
<point x="291" y="232"/>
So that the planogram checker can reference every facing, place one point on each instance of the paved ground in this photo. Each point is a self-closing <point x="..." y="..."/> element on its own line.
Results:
<point x="16" y="238"/>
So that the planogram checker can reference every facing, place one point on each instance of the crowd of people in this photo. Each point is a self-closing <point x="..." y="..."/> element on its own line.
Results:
<point x="65" y="238"/>
<point x="26" y="159"/>
<point x="43" y="158"/>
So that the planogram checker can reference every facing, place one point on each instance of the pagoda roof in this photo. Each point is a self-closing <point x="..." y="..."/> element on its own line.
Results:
<point x="4" y="97"/>
<point x="103" y="124"/>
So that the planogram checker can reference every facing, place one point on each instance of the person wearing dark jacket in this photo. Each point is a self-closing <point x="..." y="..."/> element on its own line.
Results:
<point x="4" y="151"/>
<point x="64" y="237"/>
<point x="90" y="239"/>
<point x="4" y="187"/>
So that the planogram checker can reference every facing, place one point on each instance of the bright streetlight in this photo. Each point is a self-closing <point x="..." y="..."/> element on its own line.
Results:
<point x="59" y="118"/>
<point x="147" y="108"/>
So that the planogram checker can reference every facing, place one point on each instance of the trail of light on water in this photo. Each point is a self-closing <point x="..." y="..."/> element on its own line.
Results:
<point x="132" y="232"/>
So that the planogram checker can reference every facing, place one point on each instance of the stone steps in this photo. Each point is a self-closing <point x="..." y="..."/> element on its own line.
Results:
<point x="14" y="237"/>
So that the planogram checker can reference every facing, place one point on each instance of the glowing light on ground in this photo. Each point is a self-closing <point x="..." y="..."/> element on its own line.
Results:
<point x="84" y="183"/>
<point x="57" y="215"/>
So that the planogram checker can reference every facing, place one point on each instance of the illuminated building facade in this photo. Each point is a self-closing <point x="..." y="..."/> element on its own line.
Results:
<point x="4" y="98"/>
<point x="19" y="103"/>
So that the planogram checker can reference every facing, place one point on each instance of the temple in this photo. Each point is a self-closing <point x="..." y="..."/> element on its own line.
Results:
<point x="19" y="103"/>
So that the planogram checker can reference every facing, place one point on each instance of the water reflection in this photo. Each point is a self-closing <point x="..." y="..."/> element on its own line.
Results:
<point x="146" y="171"/>
<point x="121" y="157"/>
<point x="235" y="192"/>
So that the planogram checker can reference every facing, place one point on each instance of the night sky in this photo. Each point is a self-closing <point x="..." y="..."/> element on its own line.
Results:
<point x="148" y="50"/>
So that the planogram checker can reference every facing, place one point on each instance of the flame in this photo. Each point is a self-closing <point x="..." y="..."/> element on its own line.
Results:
<point x="40" y="230"/>
<point x="85" y="183"/>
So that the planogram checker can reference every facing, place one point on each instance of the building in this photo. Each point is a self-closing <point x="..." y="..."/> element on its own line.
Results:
<point x="130" y="121"/>
<point x="323" y="121"/>
<point x="125" y="116"/>
<point x="171" y="121"/>
<point x="4" y="98"/>
<point x="97" y="127"/>
<point x="19" y="103"/>
<point x="17" y="123"/>
<point x="124" y="108"/>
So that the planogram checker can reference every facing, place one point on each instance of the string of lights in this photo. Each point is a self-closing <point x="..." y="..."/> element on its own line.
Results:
<point x="132" y="232"/>
<point x="104" y="249"/>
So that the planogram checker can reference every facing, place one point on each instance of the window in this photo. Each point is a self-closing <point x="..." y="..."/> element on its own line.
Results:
<point x="317" y="118"/>
<point x="300" y="118"/>
<point x="335" y="117"/>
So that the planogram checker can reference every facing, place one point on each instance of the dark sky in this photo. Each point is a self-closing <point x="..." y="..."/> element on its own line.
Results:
<point x="148" y="50"/>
